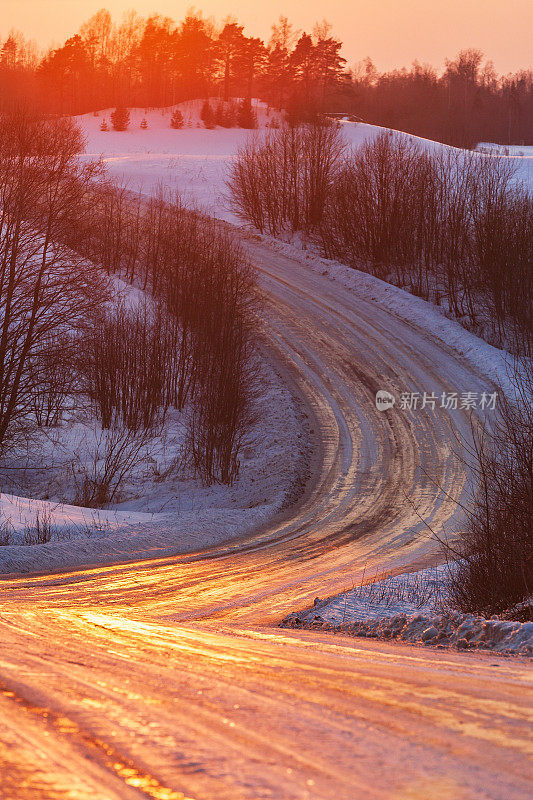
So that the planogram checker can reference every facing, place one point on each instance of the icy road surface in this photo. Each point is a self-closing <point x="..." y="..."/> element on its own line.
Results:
<point x="169" y="680"/>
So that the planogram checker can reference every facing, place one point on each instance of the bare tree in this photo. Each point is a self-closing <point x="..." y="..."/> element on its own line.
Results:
<point x="44" y="288"/>
<point x="282" y="180"/>
<point x="129" y="359"/>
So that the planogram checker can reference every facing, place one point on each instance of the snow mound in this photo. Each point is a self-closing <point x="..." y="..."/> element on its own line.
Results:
<point x="411" y="608"/>
<point x="464" y="631"/>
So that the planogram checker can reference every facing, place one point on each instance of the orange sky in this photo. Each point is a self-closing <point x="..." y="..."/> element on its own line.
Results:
<point x="392" y="32"/>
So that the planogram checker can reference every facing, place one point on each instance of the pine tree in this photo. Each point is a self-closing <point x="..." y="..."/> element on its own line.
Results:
<point x="246" y="116"/>
<point x="226" y="114"/>
<point x="207" y="115"/>
<point x="230" y="44"/>
<point x="230" y="115"/>
<point x="176" y="120"/>
<point x="104" y="126"/>
<point x="220" y="114"/>
<point x="144" y="124"/>
<point x="120" y="118"/>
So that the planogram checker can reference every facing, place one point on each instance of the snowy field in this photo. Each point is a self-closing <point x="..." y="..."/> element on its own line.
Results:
<point x="195" y="160"/>
<point x="192" y="160"/>
<point x="512" y="151"/>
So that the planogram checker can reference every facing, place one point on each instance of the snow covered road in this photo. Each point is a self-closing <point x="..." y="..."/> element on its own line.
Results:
<point x="166" y="679"/>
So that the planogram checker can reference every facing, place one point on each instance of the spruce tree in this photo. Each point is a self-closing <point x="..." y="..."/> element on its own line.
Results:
<point x="176" y="120"/>
<point x="246" y="116"/>
<point x="120" y="118"/>
<point x="207" y="115"/>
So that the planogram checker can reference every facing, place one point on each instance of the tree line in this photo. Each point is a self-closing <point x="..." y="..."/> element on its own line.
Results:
<point x="157" y="62"/>
<point x="466" y="104"/>
<point x="452" y="226"/>
<point x="154" y="61"/>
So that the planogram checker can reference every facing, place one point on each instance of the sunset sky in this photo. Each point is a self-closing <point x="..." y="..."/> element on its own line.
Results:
<point x="391" y="32"/>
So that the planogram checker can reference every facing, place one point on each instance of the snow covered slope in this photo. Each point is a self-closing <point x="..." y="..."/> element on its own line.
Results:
<point x="194" y="160"/>
<point x="413" y="607"/>
<point x="177" y="514"/>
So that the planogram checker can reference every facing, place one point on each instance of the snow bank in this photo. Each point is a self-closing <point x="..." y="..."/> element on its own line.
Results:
<point x="406" y="607"/>
<point x="18" y="514"/>
<point x="463" y="631"/>
<point x="411" y="593"/>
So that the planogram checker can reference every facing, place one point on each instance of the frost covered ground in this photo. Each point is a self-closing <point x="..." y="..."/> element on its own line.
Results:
<point x="413" y="608"/>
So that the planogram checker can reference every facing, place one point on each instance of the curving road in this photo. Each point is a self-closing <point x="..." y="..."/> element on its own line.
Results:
<point x="169" y="680"/>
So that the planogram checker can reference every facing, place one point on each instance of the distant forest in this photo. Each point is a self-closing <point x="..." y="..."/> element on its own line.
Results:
<point x="154" y="61"/>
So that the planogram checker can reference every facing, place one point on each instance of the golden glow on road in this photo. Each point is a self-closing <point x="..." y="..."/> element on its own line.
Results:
<point x="150" y="786"/>
<point x="164" y="678"/>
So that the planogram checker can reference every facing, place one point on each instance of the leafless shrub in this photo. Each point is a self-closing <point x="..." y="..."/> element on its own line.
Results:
<point x="225" y="372"/>
<point x="502" y="233"/>
<point x="451" y="223"/>
<point x="282" y="180"/>
<point x="6" y="533"/>
<point x="108" y="231"/>
<point x="198" y="274"/>
<point x="379" y="207"/>
<point x="116" y="453"/>
<point x="222" y="410"/>
<point x="445" y="224"/>
<point x="495" y="566"/>
<point x="42" y="531"/>
<point x="419" y="589"/>
<point x="129" y="362"/>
